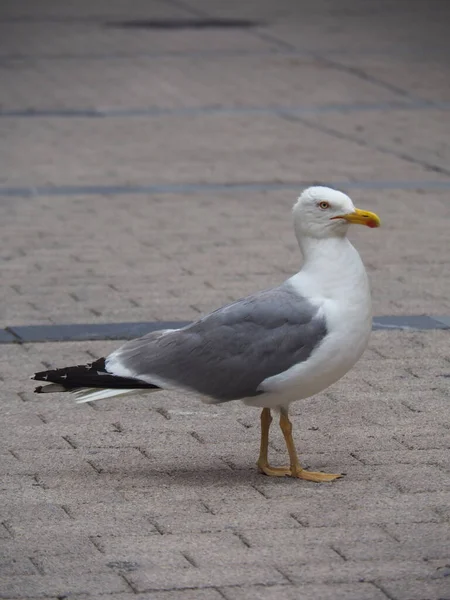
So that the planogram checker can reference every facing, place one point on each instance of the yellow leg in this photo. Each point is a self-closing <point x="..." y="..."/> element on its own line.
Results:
<point x="263" y="460"/>
<point x="296" y="469"/>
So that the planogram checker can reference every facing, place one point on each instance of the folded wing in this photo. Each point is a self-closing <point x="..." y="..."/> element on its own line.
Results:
<point x="230" y="352"/>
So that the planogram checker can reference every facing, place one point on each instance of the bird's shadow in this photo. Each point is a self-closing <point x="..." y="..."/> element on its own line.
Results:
<point x="215" y="475"/>
<point x="203" y="476"/>
<point x="189" y="476"/>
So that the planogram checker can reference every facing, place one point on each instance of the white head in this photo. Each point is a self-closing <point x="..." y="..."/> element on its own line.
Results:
<point x="322" y="212"/>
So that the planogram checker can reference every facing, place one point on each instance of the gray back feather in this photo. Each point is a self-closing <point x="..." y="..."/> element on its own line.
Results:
<point x="227" y="354"/>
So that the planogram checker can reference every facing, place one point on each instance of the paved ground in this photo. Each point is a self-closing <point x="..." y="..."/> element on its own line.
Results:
<point x="149" y="175"/>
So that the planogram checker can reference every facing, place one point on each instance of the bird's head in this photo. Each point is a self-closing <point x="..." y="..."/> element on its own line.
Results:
<point x="324" y="212"/>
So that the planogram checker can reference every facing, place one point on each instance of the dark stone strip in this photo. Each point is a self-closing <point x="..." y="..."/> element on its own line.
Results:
<point x="127" y="331"/>
<point x="198" y="23"/>
<point x="100" y="113"/>
<point x="6" y="337"/>
<point x="445" y="320"/>
<point x="92" y="331"/>
<point x="198" y="188"/>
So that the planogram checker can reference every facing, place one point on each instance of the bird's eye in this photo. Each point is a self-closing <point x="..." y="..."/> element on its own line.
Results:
<point x="324" y="205"/>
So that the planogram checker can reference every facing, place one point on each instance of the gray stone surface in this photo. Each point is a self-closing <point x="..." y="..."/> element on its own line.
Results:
<point x="158" y="497"/>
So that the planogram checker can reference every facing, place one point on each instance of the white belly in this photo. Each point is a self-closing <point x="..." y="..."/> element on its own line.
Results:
<point x="349" y="332"/>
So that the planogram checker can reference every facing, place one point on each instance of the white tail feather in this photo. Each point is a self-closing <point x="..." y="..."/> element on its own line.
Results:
<point x="91" y="394"/>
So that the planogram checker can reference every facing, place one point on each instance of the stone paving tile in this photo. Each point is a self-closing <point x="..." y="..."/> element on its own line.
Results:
<point x="365" y="571"/>
<point x="165" y="579"/>
<point x="16" y="566"/>
<point x="307" y="592"/>
<point x="186" y="594"/>
<point x="29" y="585"/>
<point x="420" y="589"/>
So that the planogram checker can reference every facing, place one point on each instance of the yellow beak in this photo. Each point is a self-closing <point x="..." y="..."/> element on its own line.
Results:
<point x="362" y="217"/>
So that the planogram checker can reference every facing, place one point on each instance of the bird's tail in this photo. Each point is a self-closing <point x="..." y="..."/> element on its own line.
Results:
<point x="90" y="382"/>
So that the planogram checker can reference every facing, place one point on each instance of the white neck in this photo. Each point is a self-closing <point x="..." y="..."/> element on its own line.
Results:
<point x="332" y="268"/>
<point x="315" y="249"/>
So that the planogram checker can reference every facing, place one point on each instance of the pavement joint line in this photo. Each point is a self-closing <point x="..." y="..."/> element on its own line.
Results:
<point x="265" y="36"/>
<point x="403" y="52"/>
<point x="129" y="330"/>
<point x="100" y="113"/>
<point x="194" y="188"/>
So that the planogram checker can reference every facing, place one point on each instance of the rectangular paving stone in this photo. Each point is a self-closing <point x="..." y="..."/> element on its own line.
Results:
<point x="307" y="592"/>
<point x="188" y="544"/>
<point x="44" y="586"/>
<point x="322" y="536"/>
<point x="391" y="550"/>
<point x="16" y="566"/>
<point x="299" y="553"/>
<point x="164" y="579"/>
<point x="418" y="590"/>
<point x="434" y="533"/>
<point x="185" y="594"/>
<point x="48" y="544"/>
<point x="20" y="512"/>
<point x="212" y="523"/>
<point x="354" y="571"/>
<point x="118" y="563"/>
<point x="119" y="520"/>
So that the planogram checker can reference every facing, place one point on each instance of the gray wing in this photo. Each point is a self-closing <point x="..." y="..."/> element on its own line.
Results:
<point x="227" y="354"/>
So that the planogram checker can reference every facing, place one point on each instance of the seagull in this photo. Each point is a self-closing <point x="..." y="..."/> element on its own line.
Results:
<point x="268" y="349"/>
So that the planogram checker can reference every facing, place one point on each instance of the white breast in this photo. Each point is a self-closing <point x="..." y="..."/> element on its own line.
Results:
<point x="343" y="294"/>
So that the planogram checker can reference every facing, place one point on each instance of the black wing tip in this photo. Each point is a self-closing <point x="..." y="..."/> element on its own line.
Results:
<point x="55" y="375"/>
<point x="38" y="390"/>
<point x="38" y="376"/>
<point x="93" y="375"/>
